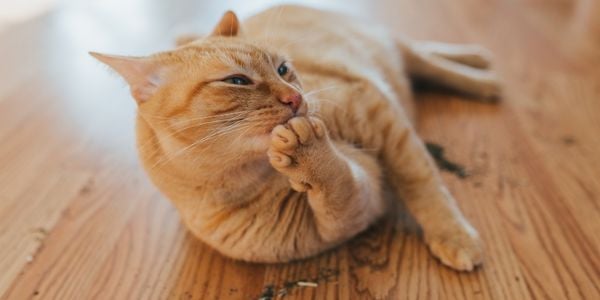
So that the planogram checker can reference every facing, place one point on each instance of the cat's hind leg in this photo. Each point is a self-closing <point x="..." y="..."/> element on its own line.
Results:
<point x="342" y="183"/>
<point x="413" y="175"/>
<point x="467" y="54"/>
<point x="464" y="68"/>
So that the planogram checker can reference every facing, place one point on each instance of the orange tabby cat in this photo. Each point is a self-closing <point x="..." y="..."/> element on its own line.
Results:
<point x="273" y="137"/>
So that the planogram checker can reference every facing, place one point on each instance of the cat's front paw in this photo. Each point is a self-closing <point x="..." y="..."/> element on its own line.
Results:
<point x="294" y="149"/>
<point x="459" y="248"/>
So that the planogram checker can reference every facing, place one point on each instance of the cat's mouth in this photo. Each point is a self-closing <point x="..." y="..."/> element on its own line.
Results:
<point x="287" y="115"/>
<point x="301" y="112"/>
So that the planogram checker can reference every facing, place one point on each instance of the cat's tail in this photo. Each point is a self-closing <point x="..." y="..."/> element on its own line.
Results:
<point x="465" y="68"/>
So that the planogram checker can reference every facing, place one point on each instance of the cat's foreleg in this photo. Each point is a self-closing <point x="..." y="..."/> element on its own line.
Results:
<point x="342" y="183"/>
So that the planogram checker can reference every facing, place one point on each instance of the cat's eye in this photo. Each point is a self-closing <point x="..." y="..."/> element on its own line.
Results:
<point x="238" y="80"/>
<point x="282" y="70"/>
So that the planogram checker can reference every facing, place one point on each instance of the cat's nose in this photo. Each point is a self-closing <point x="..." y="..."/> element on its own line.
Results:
<point x="294" y="100"/>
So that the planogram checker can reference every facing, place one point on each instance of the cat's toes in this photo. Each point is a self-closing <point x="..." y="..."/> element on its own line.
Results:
<point x="297" y="148"/>
<point x="461" y="250"/>
<point x="283" y="139"/>
<point x="307" y="129"/>
<point x="298" y="131"/>
<point x="303" y="129"/>
<point x="318" y="127"/>
<point x="278" y="159"/>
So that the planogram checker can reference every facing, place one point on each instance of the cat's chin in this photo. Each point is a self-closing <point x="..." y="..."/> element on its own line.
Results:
<point x="283" y="120"/>
<point x="301" y="112"/>
<point x="257" y="143"/>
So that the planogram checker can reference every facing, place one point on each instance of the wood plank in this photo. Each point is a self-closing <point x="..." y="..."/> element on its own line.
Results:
<point x="80" y="220"/>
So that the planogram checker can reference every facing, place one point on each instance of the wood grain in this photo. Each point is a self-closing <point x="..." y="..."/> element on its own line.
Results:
<point x="79" y="219"/>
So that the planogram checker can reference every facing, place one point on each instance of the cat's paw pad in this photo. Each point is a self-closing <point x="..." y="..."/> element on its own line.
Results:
<point x="461" y="250"/>
<point x="279" y="159"/>
<point x="306" y="129"/>
<point x="290" y="142"/>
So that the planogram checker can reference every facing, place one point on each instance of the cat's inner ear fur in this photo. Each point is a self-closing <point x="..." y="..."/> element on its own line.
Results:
<point x="228" y="26"/>
<point x="143" y="74"/>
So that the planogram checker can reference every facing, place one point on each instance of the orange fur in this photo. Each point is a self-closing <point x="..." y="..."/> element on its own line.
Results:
<point x="259" y="175"/>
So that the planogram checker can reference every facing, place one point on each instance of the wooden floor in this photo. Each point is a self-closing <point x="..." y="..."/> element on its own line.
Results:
<point x="80" y="220"/>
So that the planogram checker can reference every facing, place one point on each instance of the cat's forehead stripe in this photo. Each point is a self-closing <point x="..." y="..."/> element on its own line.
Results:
<point x="250" y="60"/>
<point x="249" y="52"/>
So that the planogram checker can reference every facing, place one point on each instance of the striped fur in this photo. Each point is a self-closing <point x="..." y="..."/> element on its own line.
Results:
<point x="261" y="183"/>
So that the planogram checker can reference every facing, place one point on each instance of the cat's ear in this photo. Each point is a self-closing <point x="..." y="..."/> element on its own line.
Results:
<point x="228" y="26"/>
<point x="143" y="74"/>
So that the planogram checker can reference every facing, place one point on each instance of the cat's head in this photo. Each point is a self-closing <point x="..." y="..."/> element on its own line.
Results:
<point x="219" y="91"/>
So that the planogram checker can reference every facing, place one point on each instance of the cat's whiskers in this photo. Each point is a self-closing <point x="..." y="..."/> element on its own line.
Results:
<point x="309" y="93"/>
<point x="180" y="130"/>
<point x="232" y="149"/>
<point x="194" y="125"/>
<point x="234" y="118"/>
<point x="217" y="133"/>
<point x="226" y="131"/>
<point x="250" y="123"/>
<point x="322" y="101"/>
<point x="197" y="118"/>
